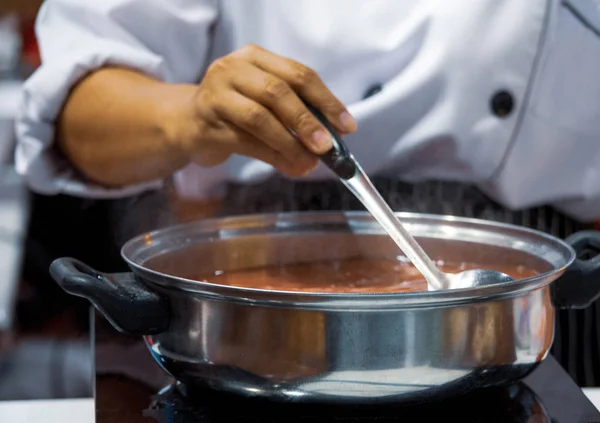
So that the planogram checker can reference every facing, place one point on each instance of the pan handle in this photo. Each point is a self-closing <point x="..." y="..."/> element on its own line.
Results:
<point x="122" y="298"/>
<point x="579" y="286"/>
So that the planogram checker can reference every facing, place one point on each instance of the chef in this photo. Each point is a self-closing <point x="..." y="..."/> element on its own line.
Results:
<point x="484" y="108"/>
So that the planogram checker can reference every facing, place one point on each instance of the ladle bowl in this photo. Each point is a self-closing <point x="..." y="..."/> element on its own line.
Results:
<point x="475" y="278"/>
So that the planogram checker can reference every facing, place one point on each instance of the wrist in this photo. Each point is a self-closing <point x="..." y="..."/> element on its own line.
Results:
<point x="176" y="120"/>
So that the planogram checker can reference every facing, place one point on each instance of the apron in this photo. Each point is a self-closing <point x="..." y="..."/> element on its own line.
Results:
<point x="577" y="336"/>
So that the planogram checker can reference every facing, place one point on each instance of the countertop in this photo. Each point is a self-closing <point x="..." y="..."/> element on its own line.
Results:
<point x="48" y="411"/>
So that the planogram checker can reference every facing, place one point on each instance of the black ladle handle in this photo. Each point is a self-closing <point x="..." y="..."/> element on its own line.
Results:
<point x="338" y="159"/>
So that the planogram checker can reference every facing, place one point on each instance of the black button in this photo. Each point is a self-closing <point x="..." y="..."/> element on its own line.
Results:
<point x="502" y="103"/>
<point x="372" y="90"/>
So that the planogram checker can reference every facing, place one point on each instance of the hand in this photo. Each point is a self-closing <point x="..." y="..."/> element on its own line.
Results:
<point x="249" y="104"/>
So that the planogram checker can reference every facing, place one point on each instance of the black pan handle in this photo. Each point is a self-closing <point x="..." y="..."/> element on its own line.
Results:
<point x="579" y="286"/>
<point x="122" y="298"/>
<point x="338" y="159"/>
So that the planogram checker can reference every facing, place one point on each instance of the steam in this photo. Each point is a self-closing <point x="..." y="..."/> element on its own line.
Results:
<point x="147" y="211"/>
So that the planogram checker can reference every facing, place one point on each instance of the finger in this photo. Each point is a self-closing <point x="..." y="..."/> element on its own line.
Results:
<point x="277" y="96"/>
<point x="259" y="122"/>
<point x="237" y="141"/>
<point x="306" y="82"/>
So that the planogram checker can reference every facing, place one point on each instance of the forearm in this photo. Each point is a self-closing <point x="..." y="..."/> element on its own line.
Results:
<point x="118" y="127"/>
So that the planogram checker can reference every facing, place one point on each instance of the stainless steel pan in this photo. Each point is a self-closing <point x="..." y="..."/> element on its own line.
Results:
<point x="338" y="348"/>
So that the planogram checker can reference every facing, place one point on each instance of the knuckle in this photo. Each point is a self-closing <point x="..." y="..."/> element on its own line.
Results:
<point x="276" y="88"/>
<point x="249" y="49"/>
<point x="304" y="75"/>
<point x="219" y="66"/>
<point x="332" y="106"/>
<point x="305" y="122"/>
<point x="256" y="116"/>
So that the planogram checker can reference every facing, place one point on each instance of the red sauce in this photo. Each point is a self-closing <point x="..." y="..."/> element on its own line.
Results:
<point x="339" y="276"/>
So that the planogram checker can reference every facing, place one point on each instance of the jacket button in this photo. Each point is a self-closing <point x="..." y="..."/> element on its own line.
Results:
<point x="372" y="90"/>
<point x="502" y="103"/>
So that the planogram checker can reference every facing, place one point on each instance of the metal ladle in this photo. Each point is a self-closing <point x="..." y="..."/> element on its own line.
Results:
<point x="344" y="165"/>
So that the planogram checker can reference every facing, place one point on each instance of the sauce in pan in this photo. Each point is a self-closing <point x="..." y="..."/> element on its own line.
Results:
<point x="366" y="275"/>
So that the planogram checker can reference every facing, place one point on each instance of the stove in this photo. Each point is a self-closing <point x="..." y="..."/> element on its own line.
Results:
<point x="131" y="388"/>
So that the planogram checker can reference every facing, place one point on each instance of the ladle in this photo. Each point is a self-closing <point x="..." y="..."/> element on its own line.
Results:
<point x="344" y="165"/>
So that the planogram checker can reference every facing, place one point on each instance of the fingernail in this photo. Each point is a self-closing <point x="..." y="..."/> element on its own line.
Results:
<point x="348" y="122"/>
<point x="322" y="140"/>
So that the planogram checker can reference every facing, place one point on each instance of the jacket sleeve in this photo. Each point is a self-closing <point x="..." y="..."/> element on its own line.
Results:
<point x="168" y="40"/>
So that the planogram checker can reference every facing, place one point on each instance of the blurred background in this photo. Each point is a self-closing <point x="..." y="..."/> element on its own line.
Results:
<point x="45" y="349"/>
<point x="45" y="345"/>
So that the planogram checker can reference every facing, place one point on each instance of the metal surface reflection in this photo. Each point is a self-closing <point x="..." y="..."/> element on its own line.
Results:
<point x="342" y="356"/>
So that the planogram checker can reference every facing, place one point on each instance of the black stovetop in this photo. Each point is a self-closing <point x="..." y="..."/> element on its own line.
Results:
<point x="546" y="395"/>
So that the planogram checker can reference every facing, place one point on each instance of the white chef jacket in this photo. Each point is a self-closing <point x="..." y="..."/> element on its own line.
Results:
<point x="441" y="66"/>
